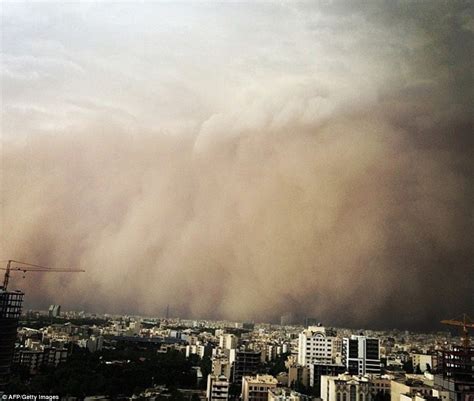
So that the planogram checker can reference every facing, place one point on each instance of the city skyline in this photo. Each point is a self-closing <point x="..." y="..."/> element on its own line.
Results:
<point x="241" y="161"/>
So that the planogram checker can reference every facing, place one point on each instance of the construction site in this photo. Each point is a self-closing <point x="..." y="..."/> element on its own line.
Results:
<point x="11" y="303"/>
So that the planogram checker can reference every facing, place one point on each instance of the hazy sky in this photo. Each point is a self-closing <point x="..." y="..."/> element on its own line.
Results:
<point x="242" y="161"/>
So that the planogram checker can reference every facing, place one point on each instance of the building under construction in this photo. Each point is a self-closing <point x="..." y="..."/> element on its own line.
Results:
<point x="10" y="311"/>
<point x="456" y="369"/>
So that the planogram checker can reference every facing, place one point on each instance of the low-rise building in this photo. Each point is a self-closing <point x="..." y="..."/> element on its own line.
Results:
<point x="255" y="388"/>
<point x="346" y="388"/>
<point x="285" y="394"/>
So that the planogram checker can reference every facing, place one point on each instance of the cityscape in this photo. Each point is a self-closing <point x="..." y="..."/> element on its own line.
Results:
<point x="78" y="355"/>
<point x="237" y="200"/>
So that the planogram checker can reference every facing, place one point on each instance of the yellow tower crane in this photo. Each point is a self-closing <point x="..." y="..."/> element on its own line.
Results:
<point x="464" y="323"/>
<point x="17" y="266"/>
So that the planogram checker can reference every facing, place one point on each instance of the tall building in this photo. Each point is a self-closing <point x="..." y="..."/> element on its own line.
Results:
<point x="255" y="388"/>
<point x="217" y="388"/>
<point x="456" y="373"/>
<point x="95" y="343"/>
<point x="316" y="371"/>
<point x="319" y="350"/>
<point x="298" y="376"/>
<point x="228" y="341"/>
<point x="361" y="355"/>
<point x="317" y="345"/>
<point x="221" y="366"/>
<point x="10" y="310"/>
<point x="244" y="363"/>
<point x="54" y="310"/>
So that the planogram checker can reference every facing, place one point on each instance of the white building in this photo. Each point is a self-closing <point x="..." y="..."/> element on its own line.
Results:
<point x="361" y="355"/>
<point x="217" y="388"/>
<point x="228" y="341"/>
<point x="345" y="388"/>
<point x="317" y="345"/>
<point x="197" y="349"/>
<point x="424" y="362"/>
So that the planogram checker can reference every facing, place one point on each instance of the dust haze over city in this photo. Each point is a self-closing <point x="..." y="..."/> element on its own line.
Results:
<point x="242" y="161"/>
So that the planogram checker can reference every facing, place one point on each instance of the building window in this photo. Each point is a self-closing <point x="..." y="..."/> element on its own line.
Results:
<point x="353" y="393"/>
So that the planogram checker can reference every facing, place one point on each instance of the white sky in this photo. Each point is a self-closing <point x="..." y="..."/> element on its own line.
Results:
<point x="172" y="67"/>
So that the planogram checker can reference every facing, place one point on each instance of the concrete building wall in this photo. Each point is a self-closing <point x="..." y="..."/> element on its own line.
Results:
<point x="255" y="388"/>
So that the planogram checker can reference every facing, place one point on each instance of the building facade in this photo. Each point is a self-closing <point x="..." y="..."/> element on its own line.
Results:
<point x="316" y="371"/>
<point x="244" y="363"/>
<point x="361" y="355"/>
<point x="317" y="345"/>
<point x="255" y="388"/>
<point x="345" y="388"/>
<point x="54" y="311"/>
<point x="456" y="373"/>
<point x="10" y="311"/>
<point x="228" y="341"/>
<point x="217" y="388"/>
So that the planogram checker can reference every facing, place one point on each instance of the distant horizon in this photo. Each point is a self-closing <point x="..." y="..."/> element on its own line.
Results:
<point x="443" y="329"/>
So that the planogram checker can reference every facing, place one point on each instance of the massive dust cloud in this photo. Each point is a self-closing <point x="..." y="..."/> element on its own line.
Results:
<point x="241" y="161"/>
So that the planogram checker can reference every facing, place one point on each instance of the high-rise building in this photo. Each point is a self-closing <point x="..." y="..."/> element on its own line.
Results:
<point x="221" y="366"/>
<point x="317" y="345"/>
<point x="217" y="388"/>
<point x="316" y="371"/>
<point x="456" y="373"/>
<point x="95" y="343"/>
<point x="361" y="355"/>
<point x="319" y="350"/>
<point x="244" y="363"/>
<point x="255" y="388"/>
<point x="54" y="310"/>
<point x="10" y="310"/>
<point x="228" y="341"/>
